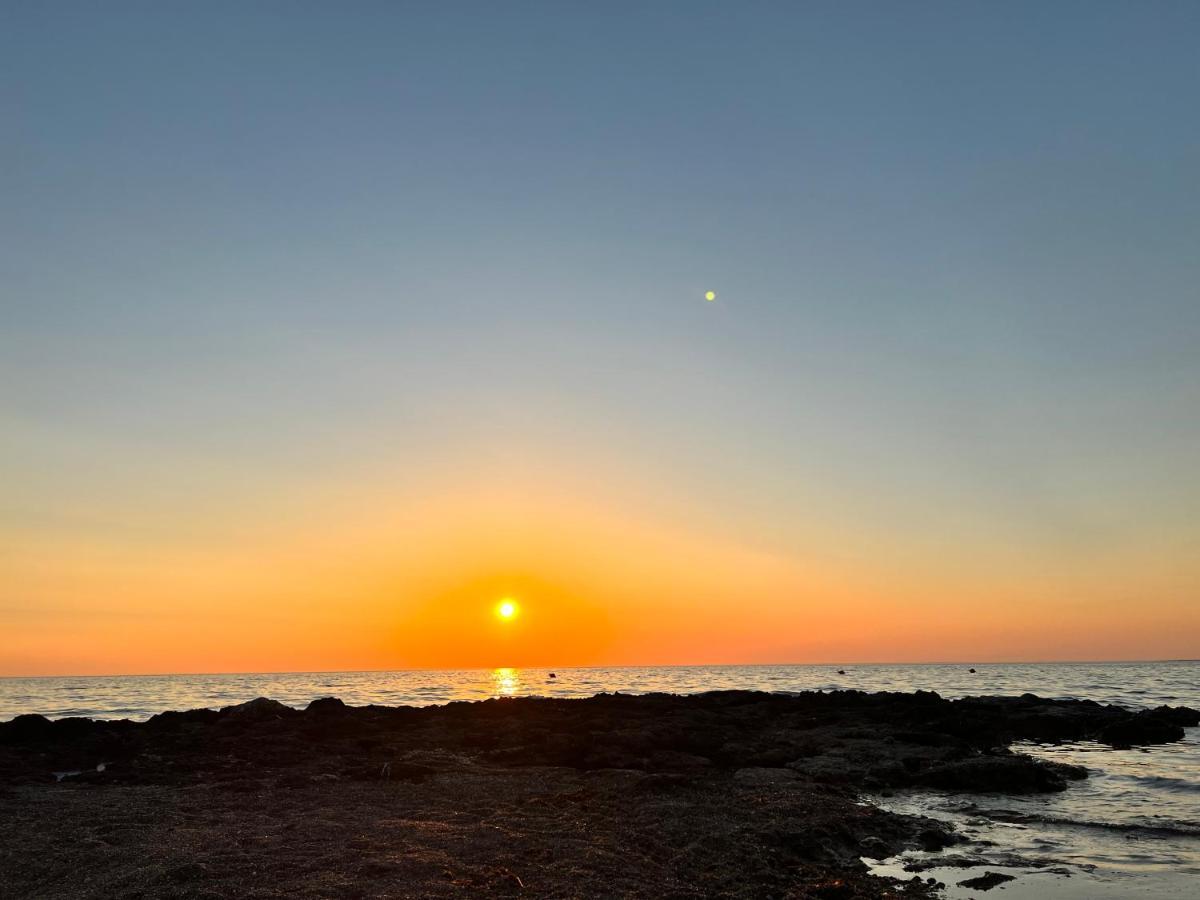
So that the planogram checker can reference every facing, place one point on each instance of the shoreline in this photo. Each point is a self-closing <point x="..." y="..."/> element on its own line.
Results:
<point x="728" y="793"/>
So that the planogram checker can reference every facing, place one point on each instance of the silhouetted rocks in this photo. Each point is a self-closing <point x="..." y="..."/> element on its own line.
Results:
<point x="327" y="706"/>
<point x="998" y="773"/>
<point x="842" y="737"/>
<point x="1177" y="715"/>
<point x="258" y="709"/>
<point x="29" y="728"/>
<point x="931" y="839"/>
<point x="748" y="794"/>
<point x="986" y="881"/>
<point x="1151" y="726"/>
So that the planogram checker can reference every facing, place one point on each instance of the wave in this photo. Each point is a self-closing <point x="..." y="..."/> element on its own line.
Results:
<point x="1159" y="827"/>
<point x="1166" y="783"/>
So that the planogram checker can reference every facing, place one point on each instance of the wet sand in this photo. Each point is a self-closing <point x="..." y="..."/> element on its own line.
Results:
<point x="736" y="794"/>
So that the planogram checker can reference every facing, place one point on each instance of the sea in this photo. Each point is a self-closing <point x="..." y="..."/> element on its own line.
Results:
<point x="1131" y="830"/>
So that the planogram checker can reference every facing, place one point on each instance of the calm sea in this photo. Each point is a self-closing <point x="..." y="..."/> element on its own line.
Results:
<point x="1132" y="830"/>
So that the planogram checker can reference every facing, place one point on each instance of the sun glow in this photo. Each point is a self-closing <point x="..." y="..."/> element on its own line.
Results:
<point x="507" y="609"/>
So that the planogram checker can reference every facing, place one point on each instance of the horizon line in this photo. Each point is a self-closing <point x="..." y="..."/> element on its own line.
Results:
<point x="1035" y="662"/>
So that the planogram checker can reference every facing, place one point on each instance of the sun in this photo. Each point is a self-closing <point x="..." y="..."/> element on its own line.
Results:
<point x="507" y="609"/>
<point x="710" y="296"/>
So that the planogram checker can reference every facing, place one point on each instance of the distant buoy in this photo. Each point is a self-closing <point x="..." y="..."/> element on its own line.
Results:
<point x="841" y="671"/>
<point x="552" y="675"/>
<point x="972" y="671"/>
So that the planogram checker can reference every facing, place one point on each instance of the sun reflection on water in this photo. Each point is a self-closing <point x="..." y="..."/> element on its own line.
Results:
<point x="506" y="682"/>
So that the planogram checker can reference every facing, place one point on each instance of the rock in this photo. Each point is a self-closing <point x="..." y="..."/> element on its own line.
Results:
<point x="1177" y="715"/>
<point x="675" y="761"/>
<point x="327" y="706"/>
<point x="192" y="871"/>
<point x="660" y="781"/>
<point x="172" y="720"/>
<point x="732" y="784"/>
<point x="26" y="729"/>
<point x="1146" y="727"/>
<point x="77" y="728"/>
<point x="1010" y="774"/>
<point x="986" y="881"/>
<point x="831" y="769"/>
<point x="874" y="848"/>
<point x="932" y="839"/>
<point x="393" y="770"/>
<point x="764" y="775"/>
<point x="258" y="709"/>
<point x="410" y="771"/>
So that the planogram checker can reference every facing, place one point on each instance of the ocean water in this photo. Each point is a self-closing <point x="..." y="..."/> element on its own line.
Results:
<point x="141" y="696"/>
<point x="1131" y="830"/>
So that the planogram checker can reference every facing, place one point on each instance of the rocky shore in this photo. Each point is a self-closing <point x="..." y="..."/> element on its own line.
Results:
<point x="731" y="794"/>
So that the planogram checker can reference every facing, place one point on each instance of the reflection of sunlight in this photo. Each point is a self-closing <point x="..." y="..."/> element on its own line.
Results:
<point x="506" y="682"/>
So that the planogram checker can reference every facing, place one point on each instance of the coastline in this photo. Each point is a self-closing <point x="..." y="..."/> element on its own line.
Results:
<point x="731" y="793"/>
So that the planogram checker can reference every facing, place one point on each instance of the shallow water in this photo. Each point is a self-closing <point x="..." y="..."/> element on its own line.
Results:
<point x="1132" y="829"/>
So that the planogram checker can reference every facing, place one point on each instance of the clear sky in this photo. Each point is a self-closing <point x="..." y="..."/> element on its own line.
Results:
<point x="326" y="326"/>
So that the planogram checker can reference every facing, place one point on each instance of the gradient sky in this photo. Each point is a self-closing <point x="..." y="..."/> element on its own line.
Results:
<point x="324" y="326"/>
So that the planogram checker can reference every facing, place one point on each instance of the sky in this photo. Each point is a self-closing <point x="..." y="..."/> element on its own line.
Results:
<point x="325" y="327"/>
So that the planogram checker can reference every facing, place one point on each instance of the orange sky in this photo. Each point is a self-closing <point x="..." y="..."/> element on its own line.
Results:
<point x="348" y="579"/>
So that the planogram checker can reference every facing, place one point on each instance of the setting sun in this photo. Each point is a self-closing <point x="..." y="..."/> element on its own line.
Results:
<point x="507" y="609"/>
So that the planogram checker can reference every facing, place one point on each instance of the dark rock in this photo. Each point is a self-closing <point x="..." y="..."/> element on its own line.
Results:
<point x="1010" y="774"/>
<point x="1177" y="715"/>
<point x="74" y="728"/>
<point x="327" y="706"/>
<point x="937" y="839"/>
<point x="401" y="770"/>
<point x="759" y="789"/>
<point x="674" y="761"/>
<point x="192" y="871"/>
<point x="874" y="848"/>
<point x="662" y="781"/>
<point x="1146" y="727"/>
<point x="392" y="770"/>
<point x="927" y="738"/>
<point x="986" y="881"/>
<point x="764" y="775"/>
<point x="26" y="729"/>
<point x="258" y="709"/>
<point x="174" y="720"/>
